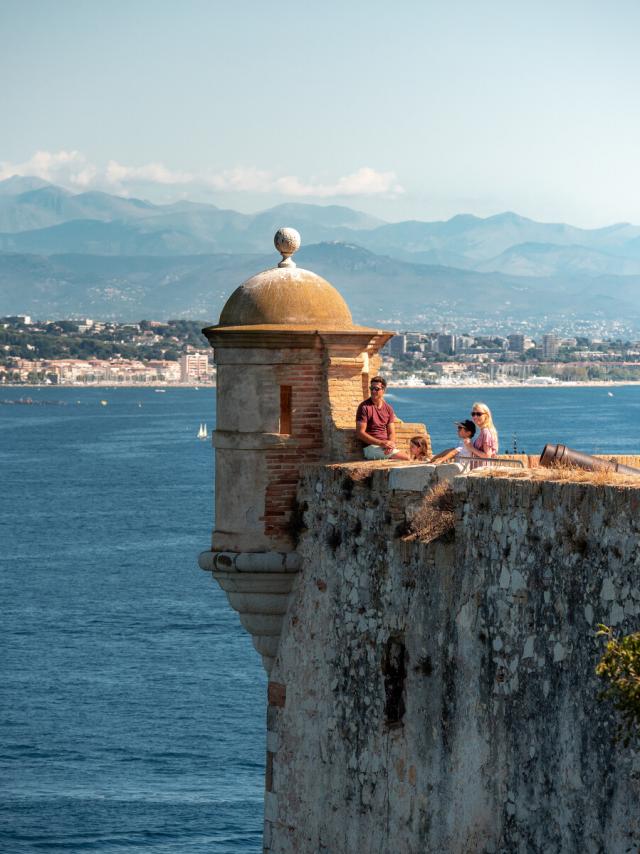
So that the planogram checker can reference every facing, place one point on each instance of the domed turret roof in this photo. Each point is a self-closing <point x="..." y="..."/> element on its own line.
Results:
<point x="286" y="295"/>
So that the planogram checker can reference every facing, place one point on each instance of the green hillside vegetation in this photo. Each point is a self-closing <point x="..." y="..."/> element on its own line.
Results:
<point x="377" y="288"/>
<point x="62" y="340"/>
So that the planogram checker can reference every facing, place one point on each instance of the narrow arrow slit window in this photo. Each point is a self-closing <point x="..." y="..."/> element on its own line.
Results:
<point x="285" y="409"/>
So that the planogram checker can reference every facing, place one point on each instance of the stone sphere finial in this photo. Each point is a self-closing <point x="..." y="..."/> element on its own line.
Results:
<point x="287" y="241"/>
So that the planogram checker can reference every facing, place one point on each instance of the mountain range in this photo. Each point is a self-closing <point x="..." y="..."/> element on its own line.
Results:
<point x="96" y="254"/>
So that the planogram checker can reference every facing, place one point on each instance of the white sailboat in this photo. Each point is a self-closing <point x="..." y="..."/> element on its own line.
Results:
<point x="202" y="432"/>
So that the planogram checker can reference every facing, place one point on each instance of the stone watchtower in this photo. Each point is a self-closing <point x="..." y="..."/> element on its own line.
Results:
<point x="292" y="367"/>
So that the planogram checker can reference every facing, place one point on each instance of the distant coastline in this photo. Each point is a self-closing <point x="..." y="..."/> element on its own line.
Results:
<point x="108" y="385"/>
<point x="392" y="385"/>
<point x="559" y="384"/>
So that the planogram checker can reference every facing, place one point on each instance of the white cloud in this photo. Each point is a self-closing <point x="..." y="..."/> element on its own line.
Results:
<point x="364" y="182"/>
<point x="85" y="177"/>
<point x="63" y="167"/>
<point x="153" y="173"/>
<point x="72" y="169"/>
<point x="242" y="180"/>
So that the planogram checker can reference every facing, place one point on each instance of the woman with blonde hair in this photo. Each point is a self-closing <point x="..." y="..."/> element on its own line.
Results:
<point x="485" y="445"/>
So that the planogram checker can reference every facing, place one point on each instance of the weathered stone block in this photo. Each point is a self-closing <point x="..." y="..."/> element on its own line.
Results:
<point x="411" y="478"/>
<point x="277" y="694"/>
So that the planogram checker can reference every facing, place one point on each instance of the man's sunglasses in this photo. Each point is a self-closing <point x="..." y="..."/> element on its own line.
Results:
<point x="376" y="387"/>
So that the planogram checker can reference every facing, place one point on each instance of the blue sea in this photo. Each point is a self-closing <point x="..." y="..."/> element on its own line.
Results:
<point x="133" y="704"/>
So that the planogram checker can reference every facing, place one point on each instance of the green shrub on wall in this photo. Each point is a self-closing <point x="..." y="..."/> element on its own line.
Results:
<point x="620" y="668"/>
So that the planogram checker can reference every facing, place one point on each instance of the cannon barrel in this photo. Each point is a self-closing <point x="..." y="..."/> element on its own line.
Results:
<point x="561" y="455"/>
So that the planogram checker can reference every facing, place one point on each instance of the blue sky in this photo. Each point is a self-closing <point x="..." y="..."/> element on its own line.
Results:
<point x="406" y="110"/>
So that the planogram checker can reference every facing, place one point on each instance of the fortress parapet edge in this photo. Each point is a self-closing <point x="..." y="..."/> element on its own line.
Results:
<point x="292" y="367"/>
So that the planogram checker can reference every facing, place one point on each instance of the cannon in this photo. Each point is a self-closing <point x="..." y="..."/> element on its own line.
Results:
<point x="561" y="455"/>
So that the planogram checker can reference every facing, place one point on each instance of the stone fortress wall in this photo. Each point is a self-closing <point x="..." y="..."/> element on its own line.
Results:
<point x="441" y="697"/>
<point x="434" y="697"/>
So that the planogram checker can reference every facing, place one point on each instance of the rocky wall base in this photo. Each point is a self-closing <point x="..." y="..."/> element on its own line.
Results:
<point x="441" y="697"/>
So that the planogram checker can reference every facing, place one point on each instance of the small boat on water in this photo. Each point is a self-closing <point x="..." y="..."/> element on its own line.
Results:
<point x="104" y="402"/>
<point x="160" y="390"/>
<point x="202" y="432"/>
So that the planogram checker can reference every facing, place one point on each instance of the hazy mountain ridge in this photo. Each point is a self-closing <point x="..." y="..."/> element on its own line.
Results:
<point x="119" y="258"/>
<point x="473" y="242"/>
<point x="375" y="287"/>
<point x="546" y="259"/>
<point x="36" y="217"/>
<point x="29" y="212"/>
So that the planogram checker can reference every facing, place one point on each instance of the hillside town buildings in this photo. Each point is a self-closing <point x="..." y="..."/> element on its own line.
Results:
<point x="195" y="367"/>
<point x="192" y="369"/>
<point x="91" y="371"/>
<point x="88" y="351"/>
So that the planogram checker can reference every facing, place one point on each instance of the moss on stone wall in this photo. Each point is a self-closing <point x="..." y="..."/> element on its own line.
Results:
<point x="620" y="669"/>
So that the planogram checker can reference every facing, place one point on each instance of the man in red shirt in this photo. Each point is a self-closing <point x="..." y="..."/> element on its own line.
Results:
<point x="375" y="425"/>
